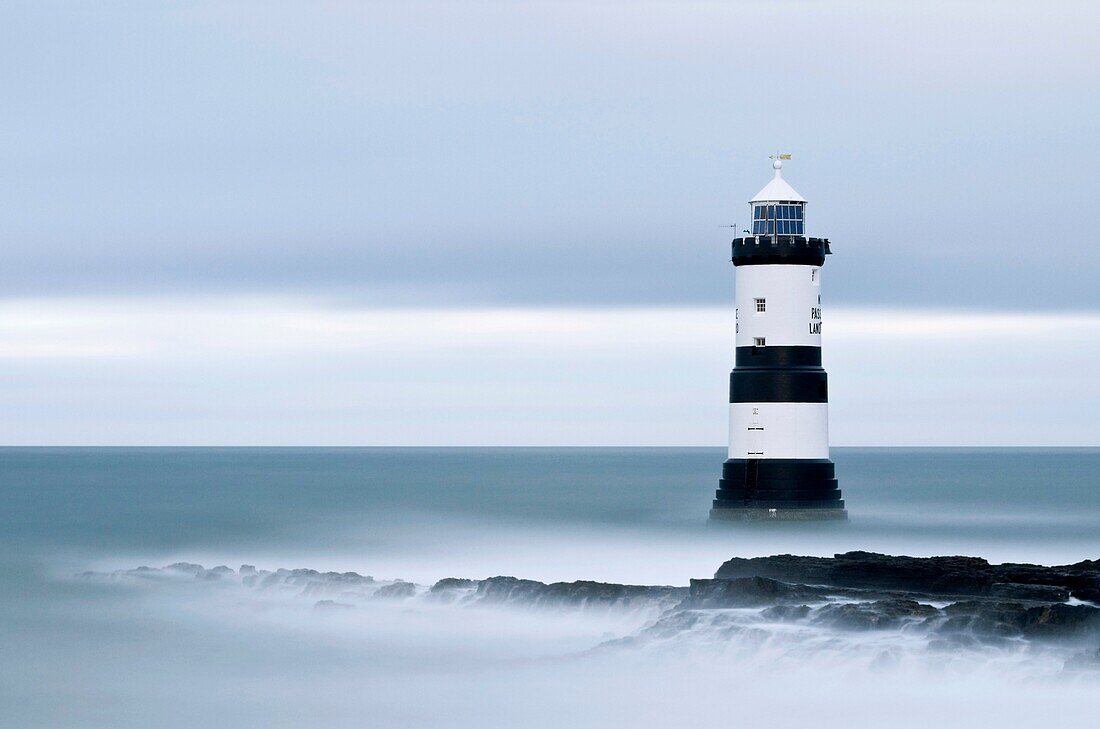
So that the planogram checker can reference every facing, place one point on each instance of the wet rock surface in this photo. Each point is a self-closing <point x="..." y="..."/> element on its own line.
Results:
<point x="876" y="615"/>
<point x="583" y="593"/>
<point x="970" y="576"/>
<point x="395" y="591"/>
<point x="742" y="592"/>
<point x="954" y="602"/>
<point x="868" y="591"/>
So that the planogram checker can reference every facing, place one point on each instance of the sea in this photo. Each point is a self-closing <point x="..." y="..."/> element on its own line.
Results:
<point x="91" y="638"/>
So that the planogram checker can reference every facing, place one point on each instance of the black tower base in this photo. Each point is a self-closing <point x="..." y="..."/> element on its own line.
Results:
<point x="762" y="489"/>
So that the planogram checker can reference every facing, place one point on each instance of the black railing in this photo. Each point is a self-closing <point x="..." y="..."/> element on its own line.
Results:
<point x="796" y="249"/>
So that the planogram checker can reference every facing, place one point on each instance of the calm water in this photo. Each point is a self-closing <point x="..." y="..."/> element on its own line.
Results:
<point x="88" y="653"/>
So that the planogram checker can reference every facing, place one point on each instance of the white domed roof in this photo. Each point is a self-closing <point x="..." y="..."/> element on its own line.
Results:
<point x="778" y="190"/>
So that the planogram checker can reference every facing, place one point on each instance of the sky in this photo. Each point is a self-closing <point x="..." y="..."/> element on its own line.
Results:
<point x="440" y="223"/>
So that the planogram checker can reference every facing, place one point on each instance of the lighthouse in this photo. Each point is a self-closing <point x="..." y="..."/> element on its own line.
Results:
<point x="778" y="465"/>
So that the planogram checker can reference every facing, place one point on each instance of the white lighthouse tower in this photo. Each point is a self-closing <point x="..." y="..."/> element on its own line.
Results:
<point x="778" y="465"/>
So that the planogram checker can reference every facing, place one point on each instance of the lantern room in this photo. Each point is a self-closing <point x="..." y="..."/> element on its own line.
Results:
<point x="778" y="209"/>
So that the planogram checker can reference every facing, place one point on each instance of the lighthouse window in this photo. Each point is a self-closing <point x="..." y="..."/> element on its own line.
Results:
<point x="777" y="219"/>
<point x="758" y="341"/>
<point x="761" y="305"/>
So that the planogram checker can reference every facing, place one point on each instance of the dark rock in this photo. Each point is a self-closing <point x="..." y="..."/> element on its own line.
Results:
<point x="785" y="613"/>
<point x="502" y="590"/>
<point x="1058" y="621"/>
<point x="510" y="590"/>
<point x="348" y="578"/>
<point x="877" y="615"/>
<point x="331" y="606"/>
<point x="988" y="618"/>
<point x="945" y="575"/>
<point x="215" y="573"/>
<point x="970" y="576"/>
<point x="449" y="589"/>
<point x="450" y="583"/>
<point x="395" y="591"/>
<point x="745" y="592"/>
<point x="868" y="570"/>
<point x="672" y="624"/>
<point x="188" y="567"/>
<point x="1022" y="591"/>
<point x="983" y="618"/>
<point x="784" y="567"/>
<point x="1006" y="611"/>
<point x="298" y="573"/>
<point x="1083" y="576"/>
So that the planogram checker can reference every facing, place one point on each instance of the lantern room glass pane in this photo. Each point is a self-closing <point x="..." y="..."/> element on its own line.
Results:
<point x="778" y="219"/>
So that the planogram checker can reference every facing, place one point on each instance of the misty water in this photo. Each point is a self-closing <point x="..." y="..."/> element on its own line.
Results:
<point x="89" y="640"/>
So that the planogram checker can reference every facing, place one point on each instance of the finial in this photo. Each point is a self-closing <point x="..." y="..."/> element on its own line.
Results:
<point x="777" y="161"/>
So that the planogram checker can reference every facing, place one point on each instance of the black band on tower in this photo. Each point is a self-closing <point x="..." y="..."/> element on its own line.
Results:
<point x="779" y="385"/>
<point x="778" y="357"/>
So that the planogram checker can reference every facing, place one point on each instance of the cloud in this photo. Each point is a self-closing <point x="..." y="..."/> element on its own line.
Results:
<point x="562" y="154"/>
<point x="241" y="370"/>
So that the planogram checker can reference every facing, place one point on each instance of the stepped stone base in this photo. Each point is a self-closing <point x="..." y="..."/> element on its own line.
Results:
<point x="725" y="514"/>
<point x="778" y="490"/>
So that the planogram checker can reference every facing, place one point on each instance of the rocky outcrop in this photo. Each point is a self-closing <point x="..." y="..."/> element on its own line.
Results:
<point x="330" y="606"/>
<point x="948" y="576"/>
<point x="868" y="591"/>
<point x="583" y="593"/>
<point x="746" y="592"/>
<point x="1035" y="593"/>
<point x="954" y="601"/>
<point x="395" y="591"/>
<point x="876" y="615"/>
<point x="450" y="589"/>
